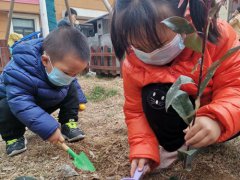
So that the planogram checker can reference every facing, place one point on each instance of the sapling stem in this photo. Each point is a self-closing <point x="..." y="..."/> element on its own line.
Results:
<point x="207" y="4"/>
<point x="204" y="44"/>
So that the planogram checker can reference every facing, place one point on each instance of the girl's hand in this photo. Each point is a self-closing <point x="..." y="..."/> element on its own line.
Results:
<point x="139" y="164"/>
<point x="56" y="137"/>
<point x="204" y="132"/>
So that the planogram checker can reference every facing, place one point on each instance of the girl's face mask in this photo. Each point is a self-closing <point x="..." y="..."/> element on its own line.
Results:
<point x="57" y="77"/>
<point x="164" y="55"/>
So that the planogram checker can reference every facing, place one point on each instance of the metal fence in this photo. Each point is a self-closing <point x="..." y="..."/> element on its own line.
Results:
<point x="104" y="61"/>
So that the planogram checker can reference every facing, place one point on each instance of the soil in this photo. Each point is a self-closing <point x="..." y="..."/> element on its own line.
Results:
<point x="107" y="147"/>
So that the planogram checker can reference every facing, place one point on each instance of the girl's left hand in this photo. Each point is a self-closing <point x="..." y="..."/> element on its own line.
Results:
<point x="139" y="163"/>
<point x="204" y="132"/>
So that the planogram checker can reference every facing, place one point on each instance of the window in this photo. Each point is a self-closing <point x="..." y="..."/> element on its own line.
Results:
<point x="23" y="26"/>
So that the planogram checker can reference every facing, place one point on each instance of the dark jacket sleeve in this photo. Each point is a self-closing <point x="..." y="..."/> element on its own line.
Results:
<point x="2" y="88"/>
<point x="20" y="95"/>
<point x="64" y="22"/>
<point x="82" y="98"/>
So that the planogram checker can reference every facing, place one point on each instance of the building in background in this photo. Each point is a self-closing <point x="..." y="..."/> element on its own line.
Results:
<point x="226" y="12"/>
<point x="26" y="18"/>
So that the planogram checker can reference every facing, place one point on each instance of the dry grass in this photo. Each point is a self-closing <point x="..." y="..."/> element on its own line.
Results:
<point x="106" y="145"/>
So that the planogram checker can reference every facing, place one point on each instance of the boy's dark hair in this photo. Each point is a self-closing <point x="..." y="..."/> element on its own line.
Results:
<point x="135" y="18"/>
<point x="73" y="11"/>
<point x="66" y="40"/>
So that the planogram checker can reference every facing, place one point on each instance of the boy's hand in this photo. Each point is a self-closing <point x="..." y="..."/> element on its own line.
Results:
<point x="56" y="137"/>
<point x="139" y="163"/>
<point x="204" y="132"/>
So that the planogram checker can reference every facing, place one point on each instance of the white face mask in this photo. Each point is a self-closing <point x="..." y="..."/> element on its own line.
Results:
<point x="164" y="55"/>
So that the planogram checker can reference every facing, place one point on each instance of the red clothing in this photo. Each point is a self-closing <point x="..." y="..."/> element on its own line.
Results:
<point x="220" y="100"/>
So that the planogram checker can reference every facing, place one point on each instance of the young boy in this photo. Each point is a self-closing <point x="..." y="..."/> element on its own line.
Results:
<point x="41" y="78"/>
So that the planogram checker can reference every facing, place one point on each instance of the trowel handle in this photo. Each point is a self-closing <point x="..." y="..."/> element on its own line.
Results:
<point x="63" y="146"/>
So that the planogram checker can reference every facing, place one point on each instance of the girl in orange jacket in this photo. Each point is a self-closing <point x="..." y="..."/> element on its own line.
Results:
<point x="155" y="58"/>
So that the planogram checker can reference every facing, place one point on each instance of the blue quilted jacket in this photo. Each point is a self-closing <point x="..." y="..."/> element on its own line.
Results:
<point x="25" y="84"/>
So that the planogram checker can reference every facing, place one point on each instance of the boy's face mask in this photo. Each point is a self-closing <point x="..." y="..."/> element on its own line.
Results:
<point x="57" y="77"/>
<point x="164" y="55"/>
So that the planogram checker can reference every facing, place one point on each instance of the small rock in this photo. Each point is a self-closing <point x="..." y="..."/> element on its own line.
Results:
<point x="95" y="177"/>
<point x="91" y="74"/>
<point x="67" y="171"/>
<point x="8" y="168"/>
<point x="55" y="158"/>
<point x="110" y="178"/>
<point x="25" y="178"/>
<point x="84" y="176"/>
<point x="92" y="154"/>
<point x="41" y="178"/>
<point x="113" y="177"/>
<point x="25" y="158"/>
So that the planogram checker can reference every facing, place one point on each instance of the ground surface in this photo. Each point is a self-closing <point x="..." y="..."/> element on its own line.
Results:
<point x="106" y="145"/>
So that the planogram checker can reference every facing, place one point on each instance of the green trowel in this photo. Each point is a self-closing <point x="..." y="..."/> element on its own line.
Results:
<point x="80" y="161"/>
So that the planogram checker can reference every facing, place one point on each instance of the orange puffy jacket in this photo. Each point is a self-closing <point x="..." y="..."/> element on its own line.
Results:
<point x="220" y="100"/>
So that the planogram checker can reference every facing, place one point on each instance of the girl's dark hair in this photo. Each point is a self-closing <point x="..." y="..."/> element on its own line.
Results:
<point x="198" y="14"/>
<point x="65" y="40"/>
<point x="139" y="18"/>
<point x="238" y="9"/>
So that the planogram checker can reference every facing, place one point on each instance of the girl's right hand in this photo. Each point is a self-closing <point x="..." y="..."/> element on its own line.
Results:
<point x="139" y="164"/>
<point x="56" y="137"/>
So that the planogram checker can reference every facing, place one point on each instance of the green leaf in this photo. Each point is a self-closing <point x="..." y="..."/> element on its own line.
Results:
<point x="194" y="42"/>
<point x="212" y="69"/>
<point x="183" y="106"/>
<point x="189" y="152"/>
<point x="187" y="156"/>
<point x="179" y="25"/>
<point x="179" y="99"/>
<point x="175" y="87"/>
